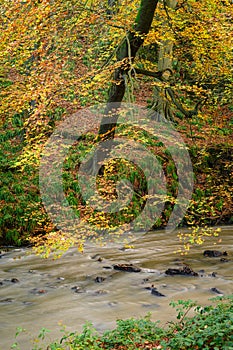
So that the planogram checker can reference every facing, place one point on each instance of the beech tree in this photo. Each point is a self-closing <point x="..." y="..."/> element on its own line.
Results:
<point x="63" y="55"/>
<point x="59" y="56"/>
<point x="125" y="54"/>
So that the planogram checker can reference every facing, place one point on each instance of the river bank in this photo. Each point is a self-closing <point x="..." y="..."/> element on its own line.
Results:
<point x="85" y="287"/>
<point x="210" y="328"/>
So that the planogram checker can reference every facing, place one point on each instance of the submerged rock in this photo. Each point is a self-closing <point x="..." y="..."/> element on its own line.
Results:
<point x="97" y="257"/>
<point x="100" y="292"/>
<point x="215" y="290"/>
<point x="126" y="267"/>
<point x="37" y="291"/>
<point x="7" y="300"/>
<point x="14" y="280"/>
<point x="213" y="274"/>
<point x="7" y="281"/>
<point x="214" y="253"/>
<point x="113" y="303"/>
<point x="145" y="280"/>
<point x="60" y="278"/>
<point x="78" y="289"/>
<point x="154" y="291"/>
<point x="99" y="279"/>
<point x="185" y="271"/>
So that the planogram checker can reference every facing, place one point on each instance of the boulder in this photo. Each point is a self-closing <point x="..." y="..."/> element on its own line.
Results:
<point x="184" y="271"/>
<point x="214" y="253"/>
<point x="126" y="267"/>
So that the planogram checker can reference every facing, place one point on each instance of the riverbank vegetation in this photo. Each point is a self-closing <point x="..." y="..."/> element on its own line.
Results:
<point x="173" y="58"/>
<point x="211" y="328"/>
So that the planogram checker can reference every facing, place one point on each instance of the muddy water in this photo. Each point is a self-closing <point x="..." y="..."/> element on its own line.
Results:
<point x="43" y="295"/>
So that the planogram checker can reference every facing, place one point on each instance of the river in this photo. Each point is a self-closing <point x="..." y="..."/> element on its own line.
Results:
<point x="36" y="292"/>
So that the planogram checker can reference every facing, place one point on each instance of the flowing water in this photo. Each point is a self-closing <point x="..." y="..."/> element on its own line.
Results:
<point x="48" y="292"/>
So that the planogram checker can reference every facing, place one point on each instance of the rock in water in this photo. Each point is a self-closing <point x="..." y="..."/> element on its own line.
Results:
<point x="154" y="291"/>
<point x="214" y="253"/>
<point x="99" y="279"/>
<point x="215" y="290"/>
<point x="126" y="267"/>
<point x="14" y="280"/>
<point x="185" y="271"/>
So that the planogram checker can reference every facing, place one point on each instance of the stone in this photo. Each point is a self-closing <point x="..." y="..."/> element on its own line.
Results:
<point x="7" y="300"/>
<point x="77" y="289"/>
<point x="213" y="274"/>
<point x="185" y="271"/>
<point x="14" y="280"/>
<point x="113" y="303"/>
<point x="214" y="253"/>
<point x="99" y="279"/>
<point x="215" y="290"/>
<point x="38" y="291"/>
<point x="154" y="291"/>
<point x="126" y="267"/>
<point x="100" y="292"/>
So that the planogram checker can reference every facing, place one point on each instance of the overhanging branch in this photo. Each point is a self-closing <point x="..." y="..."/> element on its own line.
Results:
<point x="189" y="113"/>
<point x="157" y="75"/>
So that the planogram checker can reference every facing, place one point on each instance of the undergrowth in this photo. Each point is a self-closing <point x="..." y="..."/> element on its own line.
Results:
<point x="211" y="328"/>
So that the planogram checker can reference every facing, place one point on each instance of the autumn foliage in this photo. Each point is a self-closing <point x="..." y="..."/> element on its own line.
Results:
<point x="59" y="56"/>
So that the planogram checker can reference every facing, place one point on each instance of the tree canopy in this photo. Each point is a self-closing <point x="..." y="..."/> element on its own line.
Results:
<point x="59" y="56"/>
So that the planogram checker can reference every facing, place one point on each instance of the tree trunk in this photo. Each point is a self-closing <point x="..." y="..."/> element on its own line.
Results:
<point x="125" y="54"/>
<point x="161" y="105"/>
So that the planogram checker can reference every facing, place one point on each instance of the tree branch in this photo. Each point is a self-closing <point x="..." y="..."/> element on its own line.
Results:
<point x="125" y="54"/>
<point x="157" y="75"/>
<point x="187" y="112"/>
